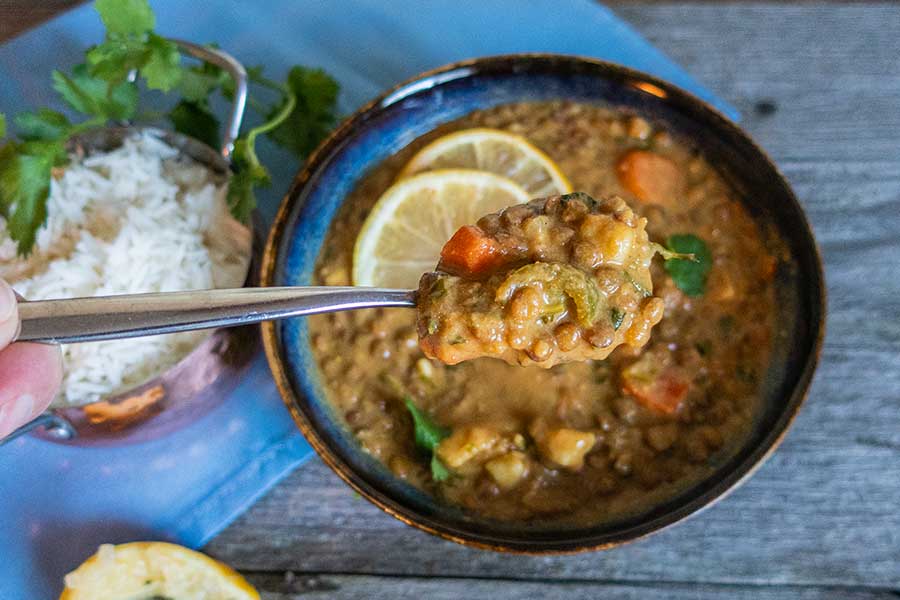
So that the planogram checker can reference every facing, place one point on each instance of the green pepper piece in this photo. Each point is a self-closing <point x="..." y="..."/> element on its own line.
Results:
<point x="557" y="280"/>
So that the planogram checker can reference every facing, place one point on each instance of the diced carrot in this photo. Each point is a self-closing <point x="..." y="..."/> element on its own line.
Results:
<point x="470" y="252"/>
<point x="651" y="177"/>
<point x="661" y="389"/>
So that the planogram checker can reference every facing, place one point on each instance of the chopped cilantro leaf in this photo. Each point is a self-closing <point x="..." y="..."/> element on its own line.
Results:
<point x="689" y="275"/>
<point x="162" y="68"/>
<point x="194" y="119"/>
<point x="113" y="59"/>
<point x="92" y="96"/>
<point x="428" y="433"/>
<point x="199" y="81"/>
<point x="439" y="472"/>
<point x="24" y="184"/>
<point x="126" y="16"/>
<point x="45" y="124"/>
<point x="314" y="115"/>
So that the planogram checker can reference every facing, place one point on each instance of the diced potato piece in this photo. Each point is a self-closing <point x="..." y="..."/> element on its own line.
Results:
<point x="567" y="447"/>
<point x="612" y="239"/>
<point x="508" y="470"/>
<point x="639" y="128"/>
<point x="468" y="443"/>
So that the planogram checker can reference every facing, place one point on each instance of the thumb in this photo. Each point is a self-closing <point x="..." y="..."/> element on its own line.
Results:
<point x="9" y="314"/>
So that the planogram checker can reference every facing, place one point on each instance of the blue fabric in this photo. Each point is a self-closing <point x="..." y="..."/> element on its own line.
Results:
<point x="57" y="503"/>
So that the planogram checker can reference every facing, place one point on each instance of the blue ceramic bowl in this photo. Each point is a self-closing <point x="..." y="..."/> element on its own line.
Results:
<point x="388" y="124"/>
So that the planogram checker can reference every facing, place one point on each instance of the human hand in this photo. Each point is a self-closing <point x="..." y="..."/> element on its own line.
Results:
<point x="30" y="373"/>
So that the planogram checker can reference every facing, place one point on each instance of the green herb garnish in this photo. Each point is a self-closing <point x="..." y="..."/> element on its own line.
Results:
<point x="438" y="289"/>
<point x="101" y="90"/>
<point x="314" y="116"/>
<point x="131" y="45"/>
<point x="558" y="281"/>
<point x="433" y="326"/>
<point x="428" y="435"/>
<point x="439" y="472"/>
<point x="689" y="274"/>
<point x="637" y="286"/>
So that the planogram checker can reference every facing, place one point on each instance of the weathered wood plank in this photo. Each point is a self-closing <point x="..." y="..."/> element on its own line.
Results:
<point x="824" y="510"/>
<point x="338" y="587"/>
<point x="17" y="16"/>
<point x="830" y="71"/>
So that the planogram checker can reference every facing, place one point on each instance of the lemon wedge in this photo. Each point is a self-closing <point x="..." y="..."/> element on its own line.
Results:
<point x="154" y="570"/>
<point x="403" y="235"/>
<point x="494" y="151"/>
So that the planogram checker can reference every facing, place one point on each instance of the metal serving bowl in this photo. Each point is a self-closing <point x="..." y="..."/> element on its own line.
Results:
<point x="189" y="389"/>
<point x="389" y="123"/>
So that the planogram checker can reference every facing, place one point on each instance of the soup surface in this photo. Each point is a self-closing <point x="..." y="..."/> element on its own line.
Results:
<point x="580" y="442"/>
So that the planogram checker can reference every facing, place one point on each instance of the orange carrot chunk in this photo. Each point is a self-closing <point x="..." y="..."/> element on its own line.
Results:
<point x="650" y="177"/>
<point x="470" y="253"/>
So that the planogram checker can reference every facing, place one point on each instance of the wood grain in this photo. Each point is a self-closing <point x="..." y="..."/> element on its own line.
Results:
<point x="820" y="89"/>
<point x="17" y="16"/>
<point x="338" y="587"/>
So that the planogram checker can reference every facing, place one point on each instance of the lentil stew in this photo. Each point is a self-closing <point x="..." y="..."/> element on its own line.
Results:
<point x="581" y="442"/>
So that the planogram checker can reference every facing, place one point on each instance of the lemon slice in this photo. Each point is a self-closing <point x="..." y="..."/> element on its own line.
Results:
<point x="494" y="151"/>
<point x="154" y="570"/>
<point x="403" y="235"/>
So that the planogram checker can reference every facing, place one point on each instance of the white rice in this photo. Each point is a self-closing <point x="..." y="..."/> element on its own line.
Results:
<point x="138" y="219"/>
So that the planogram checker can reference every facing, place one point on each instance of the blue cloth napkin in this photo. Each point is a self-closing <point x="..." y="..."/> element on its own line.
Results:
<point x="58" y="503"/>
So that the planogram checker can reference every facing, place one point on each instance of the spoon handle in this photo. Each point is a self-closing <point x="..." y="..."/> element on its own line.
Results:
<point x="135" y="315"/>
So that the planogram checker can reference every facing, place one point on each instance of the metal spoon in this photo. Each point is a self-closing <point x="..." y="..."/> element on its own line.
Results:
<point x="135" y="315"/>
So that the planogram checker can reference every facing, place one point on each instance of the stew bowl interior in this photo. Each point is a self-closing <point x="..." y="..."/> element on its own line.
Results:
<point x="414" y="108"/>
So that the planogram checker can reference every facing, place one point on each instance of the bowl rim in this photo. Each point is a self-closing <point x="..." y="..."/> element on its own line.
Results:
<point x="727" y="483"/>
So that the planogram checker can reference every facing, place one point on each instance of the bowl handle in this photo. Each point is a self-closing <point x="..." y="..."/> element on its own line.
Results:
<point x="238" y="74"/>
<point x="55" y="425"/>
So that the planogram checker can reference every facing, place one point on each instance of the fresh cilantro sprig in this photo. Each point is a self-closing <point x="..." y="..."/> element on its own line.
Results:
<point x="102" y="89"/>
<point x="303" y="115"/>
<point x="131" y="45"/>
<point x="688" y="263"/>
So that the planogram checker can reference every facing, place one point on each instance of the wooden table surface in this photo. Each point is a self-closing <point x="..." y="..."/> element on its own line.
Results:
<point x="819" y="87"/>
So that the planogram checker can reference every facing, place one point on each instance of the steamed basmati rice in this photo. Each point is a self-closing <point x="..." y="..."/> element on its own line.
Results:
<point x="141" y="218"/>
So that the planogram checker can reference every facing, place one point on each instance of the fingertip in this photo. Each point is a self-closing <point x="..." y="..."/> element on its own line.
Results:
<point x="9" y="314"/>
<point x="30" y="376"/>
